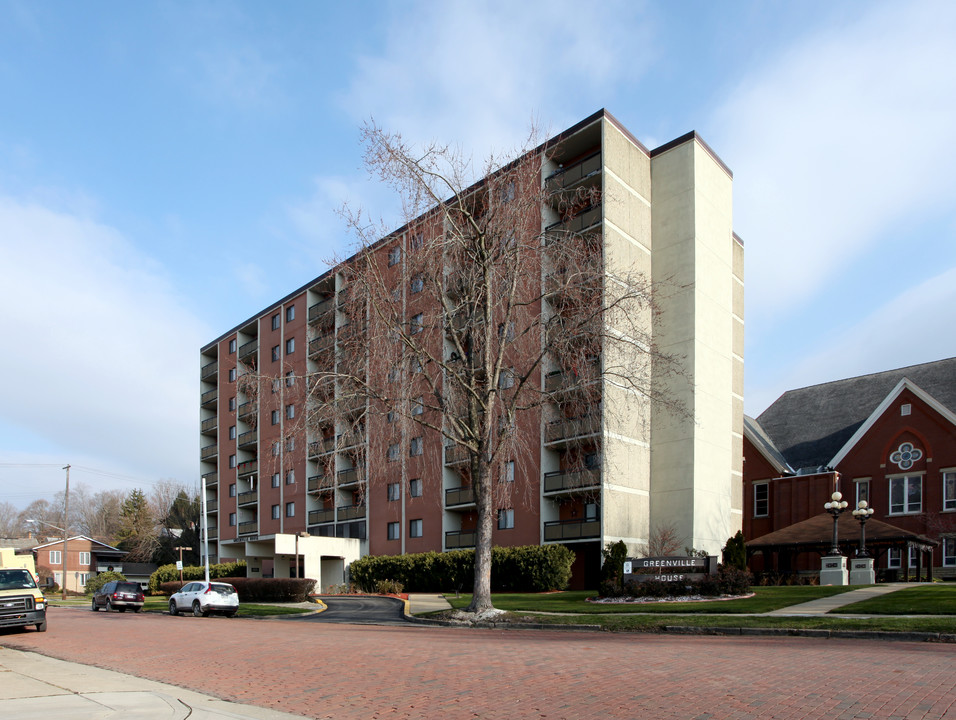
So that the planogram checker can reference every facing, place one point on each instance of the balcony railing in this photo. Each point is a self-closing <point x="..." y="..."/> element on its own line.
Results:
<point x="210" y="478"/>
<point x="350" y="512"/>
<point x="248" y="497"/>
<point x="248" y="528"/>
<point x="210" y="370"/>
<point x="246" y="411"/>
<point x="572" y="529"/>
<point x="321" y="344"/>
<point x="212" y="533"/>
<point x="460" y="539"/>
<point x="321" y="309"/>
<point x="562" y="481"/>
<point x="208" y="452"/>
<point x="321" y="447"/>
<point x="350" y="439"/>
<point x="248" y="468"/>
<point x="209" y="397"/>
<point x="560" y="380"/>
<point x="349" y="476"/>
<point x="320" y="483"/>
<point x="567" y="177"/>
<point x="580" y="222"/>
<point x="321" y="516"/>
<point x="247" y="438"/>
<point x="565" y="429"/>
<point x="209" y="424"/>
<point x="247" y="349"/>
<point x="464" y="495"/>
<point x="455" y="454"/>
<point x="212" y="506"/>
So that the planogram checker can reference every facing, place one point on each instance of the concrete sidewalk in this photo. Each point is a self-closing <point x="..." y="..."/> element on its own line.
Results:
<point x="419" y="603"/>
<point x="825" y="605"/>
<point x="35" y="687"/>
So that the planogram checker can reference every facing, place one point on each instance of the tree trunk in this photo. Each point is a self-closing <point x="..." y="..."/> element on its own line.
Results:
<point x="481" y="598"/>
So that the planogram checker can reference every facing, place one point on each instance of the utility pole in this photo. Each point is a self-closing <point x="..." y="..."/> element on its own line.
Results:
<point x="66" y="525"/>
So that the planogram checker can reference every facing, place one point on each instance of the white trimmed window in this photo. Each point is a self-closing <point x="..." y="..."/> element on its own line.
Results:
<point x="761" y="499"/>
<point x="906" y="495"/>
<point x="55" y="557"/>
<point x="949" y="490"/>
<point x="84" y="560"/>
<point x="862" y="490"/>
<point x="506" y="519"/>
<point x="949" y="551"/>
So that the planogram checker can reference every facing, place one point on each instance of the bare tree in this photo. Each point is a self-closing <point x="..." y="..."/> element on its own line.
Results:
<point x="664" y="541"/>
<point x="9" y="520"/>
<point x="447" y="328"/>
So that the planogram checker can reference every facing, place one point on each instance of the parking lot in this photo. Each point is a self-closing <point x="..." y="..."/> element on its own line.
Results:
<point x="351" y="671"/>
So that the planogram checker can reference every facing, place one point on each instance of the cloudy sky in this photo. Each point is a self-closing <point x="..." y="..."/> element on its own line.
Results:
<point x="168" y="169"/>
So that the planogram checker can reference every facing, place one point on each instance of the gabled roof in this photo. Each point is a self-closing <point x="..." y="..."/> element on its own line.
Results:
<point x="103" y="545"/>
<point x="756" y="435"/>
<point x="816" y="533"/>
<point x="810" y="426"/>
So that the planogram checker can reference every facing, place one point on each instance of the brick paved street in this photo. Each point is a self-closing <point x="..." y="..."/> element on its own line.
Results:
<point x="342" y="671"/>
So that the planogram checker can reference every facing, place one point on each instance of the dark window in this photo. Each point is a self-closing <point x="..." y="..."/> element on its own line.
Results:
<point x="761" y="500"/>
<point x="290" y="313"/>
<point x="276" y="321"/>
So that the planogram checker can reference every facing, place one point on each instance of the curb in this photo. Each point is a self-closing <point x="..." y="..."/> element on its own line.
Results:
<point x="814" y="633"/>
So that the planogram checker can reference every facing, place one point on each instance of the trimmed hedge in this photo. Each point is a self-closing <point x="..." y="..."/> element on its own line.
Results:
<point x="169" y="573"/>
<point x="257" y="589"/>
<point x="529" y="568"/>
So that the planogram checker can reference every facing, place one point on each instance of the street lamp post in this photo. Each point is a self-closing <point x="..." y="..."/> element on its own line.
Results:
<point x="862" y="513"/>
<point x="835" y="507"/>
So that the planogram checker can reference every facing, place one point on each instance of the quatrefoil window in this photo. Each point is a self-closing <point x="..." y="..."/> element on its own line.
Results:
<point x="906" y="455"/>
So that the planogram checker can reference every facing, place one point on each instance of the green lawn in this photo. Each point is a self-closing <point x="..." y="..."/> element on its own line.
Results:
<point x="922" y="600"/>
<point x="573" y="601"/>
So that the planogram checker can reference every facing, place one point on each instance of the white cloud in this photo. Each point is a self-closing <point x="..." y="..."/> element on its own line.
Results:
<point x="844" y="137"/>
<point x="101" y="360"/>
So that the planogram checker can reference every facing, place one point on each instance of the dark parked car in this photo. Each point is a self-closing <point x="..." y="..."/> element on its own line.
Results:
<point x="119" y="595"/>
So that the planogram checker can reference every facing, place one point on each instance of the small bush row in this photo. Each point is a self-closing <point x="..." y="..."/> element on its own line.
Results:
<point x="258" y="589"/>
<point x="169" y="573"/>
<point x="530" y="568"/>
<point x="726" y="581"/>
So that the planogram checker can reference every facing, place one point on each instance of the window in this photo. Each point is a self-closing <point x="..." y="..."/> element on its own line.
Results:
<point x="275" y="386"/>
<point x="275" y="512"/>
<point x="415" y="365"/>
<point x="232" y="432"/>
<point x="84" y="559"/>
<point x="232" y="489"/>
<point x="506" y="379"/>
<point x="289" y="411"/>
<point x="232" y="519"/>
<point x="862" y="491"/>
<point x="290" y="378"/>
<point x="506" y="519"/>
<point x="290" y="346"/>
<point x="949" y="490"/>
<point x="417" y="241"/>
<point x="275" y="480"/>
<point x="393" y="374"/>
<point x="394" y="493"/>
<point x="906" y="495"/>
<point x="290" y="477"/>
<point x="592" y="461"/>
<point x="905" y="409"/>
<point x="84" y="578"/>
<point x="949" y="551"/>
<point x="290" y="509"/>
<point x="275" y="417"/>
<point x="415" y="326"/>
<point x="276" y="448"/>
<point x="290" y="444"/>
<point x="232" y="403"/>
<point x="232" y="374"/>
<point x="290" y="313"/>
<point x="590" y="512"/>
<point x="275" y="352"/>
<point x="394" y="256"/>
<point x="276" y="321"/>
<point x="761" y="499"/>
<point x="393" y="531"/>
<point x="508" y="471"/>
<point x="415" y="447"/>
<point x="393" y="452"/>
<point x="415" y="528"/>
<point x="391" y="417"/>
<point x="415" y="487"/>
<point x="417" y="284"/>
<point x="232" y="346"/>
<point x="232" y="461"/>
<point x="55" y="557"/>
<point x="894" y="558"/>
<point x="508" y="335"/>
<point x="418" y="405"/>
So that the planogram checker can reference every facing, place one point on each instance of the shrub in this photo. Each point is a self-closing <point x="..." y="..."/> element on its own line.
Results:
<point x="734" y="553"/>
<point x="257" y="589"/>
<point x="98" y="581"/>
<point x="388" y="587"/>
<point x="612" y="571"/>
<point x="726" y="581"/>
<point x="169" y="573"/>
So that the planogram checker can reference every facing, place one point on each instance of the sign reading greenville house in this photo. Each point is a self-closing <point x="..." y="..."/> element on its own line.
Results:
<point x="667" y="569"/>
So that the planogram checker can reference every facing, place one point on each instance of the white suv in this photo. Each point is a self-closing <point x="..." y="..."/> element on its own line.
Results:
<point x="204" y="598"/>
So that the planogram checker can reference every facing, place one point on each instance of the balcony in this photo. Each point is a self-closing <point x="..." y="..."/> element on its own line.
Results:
<point x="247" y="411"/>
<point x="455" y="454"/>
<point x="250" y="467"/>
<point x="249" y="497"/>
<point x="321" y="516"/>
<point x="208" y="399"/>
<point x="210" y="371"/>
<point x="212" y="506"/>
<point x="320" y="483"/>
<point x="349" y="440"/>
<point x="212" y="533"/>
<point x="248" y="528"/>
<point x="247" y="439"/>
<point x="321" y="447"/>
<point x="208" y="452"/>
<point x="456" y="539"/>
<point x="320" y="310"/>
<point x="567" y="178"/>
<point x="210" y="479"/>
<point x="563" y="482"/>
<point x="561" y="381"/>
<point x="349" y="477"/>
<point x="248" y="349"/>
<point x="321" y="388"/>
<point x="460" y="496"/>
<point x="568" y="428"/>
<point x="584" y="220"/>
<point x="572" y="530"/>
<point x="322" y="344"/>
<point x="209" y="425"/>
<point x="350" y="512"/>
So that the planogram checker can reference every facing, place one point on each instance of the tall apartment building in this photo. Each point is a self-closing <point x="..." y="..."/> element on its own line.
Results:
<point x="328" y="493"/>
